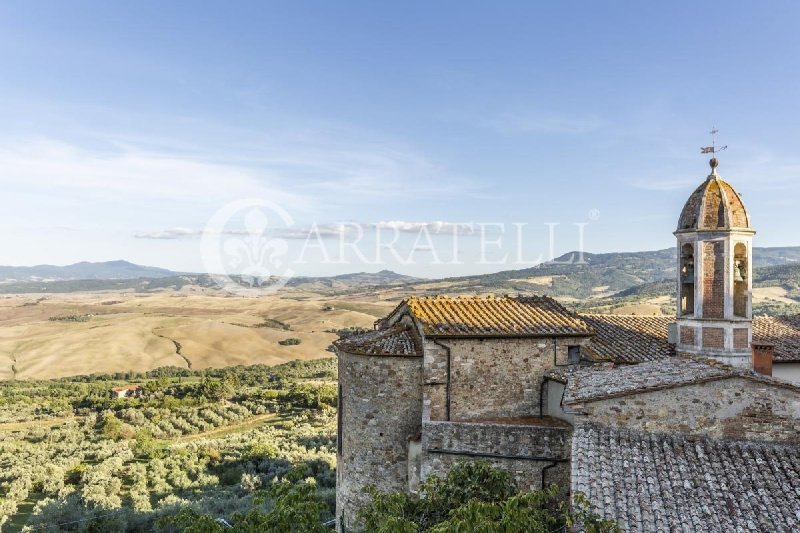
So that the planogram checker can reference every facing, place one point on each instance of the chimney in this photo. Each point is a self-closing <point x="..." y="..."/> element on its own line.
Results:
<point x="762" y="358"/>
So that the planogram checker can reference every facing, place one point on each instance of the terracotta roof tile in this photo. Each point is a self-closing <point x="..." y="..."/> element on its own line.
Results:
<point x="654" y="482"/>
<point x="639" y="338"/>
<point x="629" y="338"/>
<point x="533" y="316"/>
<point x="783" y="332"/>
<point x="397" y="340"/>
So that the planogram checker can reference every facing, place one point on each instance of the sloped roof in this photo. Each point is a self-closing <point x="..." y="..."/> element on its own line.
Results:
<point x="397" y="340"/>
<point x="591" y="383"/>
<point x="783" y="332"/>
<point x="492" y="316"/>
<point x="654" y="482"/>
<point x="639" y="338"/>
<point x="599" y="382"/>
<point x="629" y="338"/>
<point x="126" y="388"/>
<point x="714" y="205"/>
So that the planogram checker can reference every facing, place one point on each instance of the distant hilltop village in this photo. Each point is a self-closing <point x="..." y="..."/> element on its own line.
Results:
<point x="689" y="423"/>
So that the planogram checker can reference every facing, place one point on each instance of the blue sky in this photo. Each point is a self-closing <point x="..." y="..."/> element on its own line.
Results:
<point x="127" y="125"/>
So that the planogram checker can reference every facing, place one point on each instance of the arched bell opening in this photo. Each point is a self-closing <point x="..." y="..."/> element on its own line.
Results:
<point x="740" y="277"/>
<point x="687" y="280"/>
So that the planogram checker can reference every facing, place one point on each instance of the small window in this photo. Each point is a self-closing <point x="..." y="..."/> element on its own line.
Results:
<point x="574" y="355"/>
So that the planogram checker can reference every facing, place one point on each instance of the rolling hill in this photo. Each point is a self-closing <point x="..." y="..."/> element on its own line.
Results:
<point x="82" y="271"/>
<point x="569" y="277"/>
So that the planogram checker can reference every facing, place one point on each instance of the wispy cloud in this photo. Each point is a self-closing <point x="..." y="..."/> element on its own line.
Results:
<point x="332" y="230"/>
<point x="169" y="234"/>
<point x="436" y="227"/>
<point x="305" y="172"/>
<point x="51" y="166"/>
<point x="324" y="231"/>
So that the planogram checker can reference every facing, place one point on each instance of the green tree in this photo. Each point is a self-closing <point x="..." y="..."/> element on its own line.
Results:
<point x="112" y="427"/>
<point x="296" y="508"/>
<point x="145" y="445"/>
<point x="476" y="497"/>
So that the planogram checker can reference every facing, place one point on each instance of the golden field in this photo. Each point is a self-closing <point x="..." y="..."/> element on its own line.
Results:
<point x="199" y="327"/>
<point x="133" y="331"/>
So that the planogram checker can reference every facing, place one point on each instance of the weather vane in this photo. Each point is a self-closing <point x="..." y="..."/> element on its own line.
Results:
<point x="713" y="149"/>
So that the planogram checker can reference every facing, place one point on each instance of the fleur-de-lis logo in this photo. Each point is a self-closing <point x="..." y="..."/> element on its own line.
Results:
<point x="242" y="253"/>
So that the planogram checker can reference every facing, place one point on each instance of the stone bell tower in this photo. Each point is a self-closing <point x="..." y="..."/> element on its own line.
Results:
<point x="715" y="273"/>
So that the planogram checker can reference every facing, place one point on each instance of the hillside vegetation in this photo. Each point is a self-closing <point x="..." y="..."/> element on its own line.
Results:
<point x="217" y="442"/>
<point x="776" y="291"/>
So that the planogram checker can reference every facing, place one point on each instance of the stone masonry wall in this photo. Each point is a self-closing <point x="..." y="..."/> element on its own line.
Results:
<point x="517" y="440"/>
<point x="380" y="410"/>
<point x="500" y="377"/>
<point x="731" y="408"/>
<point x="435" y="364"/>
<point x="713" y="279"/>
<point x="528" y="452"/>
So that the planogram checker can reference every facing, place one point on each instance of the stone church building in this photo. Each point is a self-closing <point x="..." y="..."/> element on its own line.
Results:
<point x="685" y="423"/>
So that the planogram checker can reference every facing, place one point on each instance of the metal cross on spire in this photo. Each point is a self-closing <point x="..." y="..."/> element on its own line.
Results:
<point x="713" y="149"/>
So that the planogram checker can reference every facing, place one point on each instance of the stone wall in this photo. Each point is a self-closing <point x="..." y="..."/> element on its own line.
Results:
<point x="497" y="439"/>
<point x="730" y="408"/>
<point x="380" y="412"/>
<point x="435" y="362"/>
<point x="530" y="453"/>
<point x="498" y="377"/>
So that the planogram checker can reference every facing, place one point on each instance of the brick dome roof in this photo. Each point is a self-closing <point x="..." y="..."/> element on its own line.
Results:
<point x="714" y="205"/>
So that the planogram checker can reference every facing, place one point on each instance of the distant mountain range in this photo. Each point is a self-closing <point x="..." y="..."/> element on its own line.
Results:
<point x="84" y="270"/>
<point x="123" y="275"/>
<point x="625" y="274"/>
<point x="591" y="275"/>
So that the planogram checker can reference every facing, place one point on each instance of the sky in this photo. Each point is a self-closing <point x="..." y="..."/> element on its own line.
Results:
<point x="133" y="130"/>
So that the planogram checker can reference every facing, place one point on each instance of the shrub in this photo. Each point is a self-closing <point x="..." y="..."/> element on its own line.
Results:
<point x="291" y="341"/>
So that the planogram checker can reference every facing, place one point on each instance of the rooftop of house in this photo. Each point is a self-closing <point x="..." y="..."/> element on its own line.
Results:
<point x="656" y="482"/>
<point x="399" y="340"/>
<point x="629" y="338"/>
<point x="126" y="388"/>
<point x="493" y="316"/>
<point x="621" y="339"/>
<point x="639" y="338"/>
<point x="598" y="382"/>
